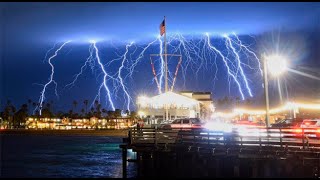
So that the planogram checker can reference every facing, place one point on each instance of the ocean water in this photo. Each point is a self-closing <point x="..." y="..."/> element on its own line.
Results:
<point x="52" y="156"/>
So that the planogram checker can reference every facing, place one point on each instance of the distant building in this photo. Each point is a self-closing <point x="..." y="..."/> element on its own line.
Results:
<point x="205" y="100"/>
<point x="80" y="123"/>
<point x="186" y="104"/>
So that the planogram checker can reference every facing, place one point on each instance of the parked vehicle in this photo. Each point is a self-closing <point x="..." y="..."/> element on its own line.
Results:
<point x="310" y="123"/>
<point x="288" y="123"/>
<point x="247" y="123"/>
<point x="187" y="123"/>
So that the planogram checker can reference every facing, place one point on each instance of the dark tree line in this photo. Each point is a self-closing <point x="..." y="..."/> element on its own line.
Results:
<point x="15" y="117"/>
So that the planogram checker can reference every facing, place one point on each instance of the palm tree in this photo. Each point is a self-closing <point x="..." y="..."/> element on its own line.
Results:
<point x="48" y="105"/>
<point x="74" y="105"/>
<point x="85" y="102"/>
<point x="96" y="103"/>
<point x="117" y="113"/>
<point x="52" y="107"/>
<point x="98" y="107"/>
<point x="82" y="111"/>
<point x="13" y="110"/>
<point x="29" y="102"/>
<point x="70" y="113"/>
<point x="104" y="111"/>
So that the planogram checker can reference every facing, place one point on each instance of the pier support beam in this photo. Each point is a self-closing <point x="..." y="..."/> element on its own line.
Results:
<point x="124" y="162"/>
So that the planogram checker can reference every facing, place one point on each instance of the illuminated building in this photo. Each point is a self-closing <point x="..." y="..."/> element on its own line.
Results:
<point x="186" y="104"/>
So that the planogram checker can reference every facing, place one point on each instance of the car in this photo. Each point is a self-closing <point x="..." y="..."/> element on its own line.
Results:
<point x="288" y="123"/>
<point x="246" y="123"/>
<point x="310" y="123"/>
<point x="187" y="123"/>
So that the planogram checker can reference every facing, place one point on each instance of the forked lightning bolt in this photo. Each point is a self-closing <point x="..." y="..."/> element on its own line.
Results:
<point x="42" y="96"/>
<point x="105" y="75"/>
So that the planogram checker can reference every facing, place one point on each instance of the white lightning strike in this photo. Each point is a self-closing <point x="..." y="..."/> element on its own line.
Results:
<point x="141" y="55"/>
<point x="97" y="96"/>
<point x="226" y="64"/>
<point x="45" y="57"/>
<point x="162" y="64"/>
<point x="120" y="78"/>
<point x="88" y="61"/>
<point x="239" y="43"/>
<point x="42" y="96"/>
<point x="105" y="75"/>
<point x="239" y="64"/>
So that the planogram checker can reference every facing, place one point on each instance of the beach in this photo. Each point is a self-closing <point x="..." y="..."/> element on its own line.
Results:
<point x="77" y="132"/>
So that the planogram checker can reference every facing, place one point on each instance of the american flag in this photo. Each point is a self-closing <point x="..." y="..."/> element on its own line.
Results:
<point x="162" y="28"/>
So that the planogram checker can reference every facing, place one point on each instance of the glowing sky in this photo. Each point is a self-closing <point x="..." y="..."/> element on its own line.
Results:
<point x="28" y="30"/>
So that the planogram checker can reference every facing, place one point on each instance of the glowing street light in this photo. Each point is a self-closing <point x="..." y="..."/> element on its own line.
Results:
<point x="276" y="65"/>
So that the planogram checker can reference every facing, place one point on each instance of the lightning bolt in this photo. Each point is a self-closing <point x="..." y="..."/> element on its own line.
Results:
<point x="162" y="64"/>
<point x="42" y="96"/>
<point x="198" y="54"/>
<point x="239" y="43"/>
<point x="45" y="57"/>
<point x="226" y="64"/>
<point x="88" y="61"/>
<point x="141" y="55"/>
<point x="97" y="96"/>
<point x="105" y="75"/>
<point x="120" y="78"/>
<point x="239" y="64"/>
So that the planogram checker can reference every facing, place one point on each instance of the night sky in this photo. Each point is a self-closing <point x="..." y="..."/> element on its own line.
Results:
<point x="29" y="30"/>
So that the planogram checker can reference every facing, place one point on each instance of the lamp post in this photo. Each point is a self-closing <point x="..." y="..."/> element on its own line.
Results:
<point x="276" y="65"/>
<point x="266" y="92"/>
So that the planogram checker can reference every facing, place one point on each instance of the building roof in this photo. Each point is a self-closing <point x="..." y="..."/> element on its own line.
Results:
<point x="168" y="98"/>
<point x="202" y="93"/>
<point x="204" y="99"/>
<point x="186" y="92"/>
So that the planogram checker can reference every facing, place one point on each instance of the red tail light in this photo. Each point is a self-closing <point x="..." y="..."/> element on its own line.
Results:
<point x="196" y="125"/>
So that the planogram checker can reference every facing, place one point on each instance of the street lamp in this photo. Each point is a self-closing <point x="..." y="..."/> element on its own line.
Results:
<point x="276" y="65"/>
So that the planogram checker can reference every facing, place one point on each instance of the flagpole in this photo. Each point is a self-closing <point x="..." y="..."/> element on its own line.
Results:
<point x="166" y="63"/>
<point x="165" y="54"/>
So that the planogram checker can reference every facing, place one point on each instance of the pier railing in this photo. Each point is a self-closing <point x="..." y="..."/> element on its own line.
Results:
<point x="278" y="137"/>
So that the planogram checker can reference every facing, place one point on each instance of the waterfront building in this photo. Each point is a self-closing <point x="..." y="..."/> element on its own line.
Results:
<point x="186" y="104"/>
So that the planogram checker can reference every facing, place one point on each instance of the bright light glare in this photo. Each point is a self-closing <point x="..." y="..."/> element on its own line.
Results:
<point x="219" y="126"/>
<point x="168" y="98"/>
<point x="92" y="41"/>
<point x="276" y="64"/>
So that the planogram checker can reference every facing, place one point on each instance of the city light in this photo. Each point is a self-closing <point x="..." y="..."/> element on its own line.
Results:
<point x="218" y="126"/>
<point x="168" y="98"/>
<point x="277" y="64"/>
<point x="286" y="107"/>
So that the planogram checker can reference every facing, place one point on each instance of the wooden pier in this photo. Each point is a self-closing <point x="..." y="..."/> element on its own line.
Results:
<point x="262" y="152"/>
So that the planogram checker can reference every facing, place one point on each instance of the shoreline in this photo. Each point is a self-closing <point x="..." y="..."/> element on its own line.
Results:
<point x="77" y="132"/>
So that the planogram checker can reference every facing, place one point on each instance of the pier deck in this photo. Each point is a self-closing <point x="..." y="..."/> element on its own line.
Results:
<point x="253" y="152"/>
